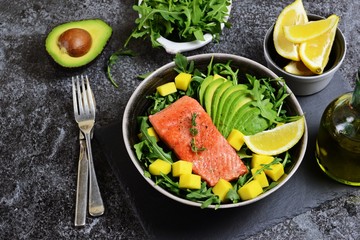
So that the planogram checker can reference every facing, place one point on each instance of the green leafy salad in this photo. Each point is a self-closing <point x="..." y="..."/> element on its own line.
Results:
<point x="180" y="20"/>
<point x="264" y="108"/>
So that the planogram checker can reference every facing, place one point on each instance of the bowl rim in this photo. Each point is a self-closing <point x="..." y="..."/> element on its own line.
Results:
<point x="315" y="78"/>
<point x="138" y="166"/>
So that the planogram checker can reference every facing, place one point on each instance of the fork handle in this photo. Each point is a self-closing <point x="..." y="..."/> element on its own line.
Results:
<point x="96" y="205"/>
<point x="82" y="187"/>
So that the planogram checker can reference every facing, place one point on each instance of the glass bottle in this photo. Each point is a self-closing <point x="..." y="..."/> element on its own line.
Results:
<point x="338" y="140"/>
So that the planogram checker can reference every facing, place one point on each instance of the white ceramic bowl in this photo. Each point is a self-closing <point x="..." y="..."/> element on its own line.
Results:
<point x="305" y="85"/>
<point x="138" y="104"/>
<point x="173" y="47"/>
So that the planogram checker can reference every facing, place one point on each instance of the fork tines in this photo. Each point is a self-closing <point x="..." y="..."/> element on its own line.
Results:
<point x="83" y="99"/>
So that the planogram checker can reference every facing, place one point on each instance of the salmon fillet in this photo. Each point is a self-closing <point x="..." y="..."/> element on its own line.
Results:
<point x="217" y="159"/>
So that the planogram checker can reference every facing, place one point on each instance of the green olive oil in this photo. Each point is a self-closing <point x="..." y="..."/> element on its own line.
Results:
<point x="338" y="140"/>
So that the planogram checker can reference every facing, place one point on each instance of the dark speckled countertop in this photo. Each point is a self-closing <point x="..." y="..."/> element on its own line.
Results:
<point x="38" y="141"/>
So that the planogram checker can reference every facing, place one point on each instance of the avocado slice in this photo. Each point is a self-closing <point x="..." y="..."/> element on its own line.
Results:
<point x="238" y="116"/>
<point x="75" y="44"/>
<point x="203" y="86"/>
<point x="241" y="103"/>
<point x="216" y="97"/>
<point x="209" y="93"/>
<point x="234" y="101"/>
<point x="223" y="102"/>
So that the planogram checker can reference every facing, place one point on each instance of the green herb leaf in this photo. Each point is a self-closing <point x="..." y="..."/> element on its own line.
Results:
<point x="194" y="131"/>
<point x="154" y="151"/>
<point x="113" y="59"/>
<point x="180" y="20"/>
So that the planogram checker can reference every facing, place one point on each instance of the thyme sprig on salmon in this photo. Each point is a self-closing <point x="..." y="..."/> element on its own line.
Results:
<point x="194" y="131"/>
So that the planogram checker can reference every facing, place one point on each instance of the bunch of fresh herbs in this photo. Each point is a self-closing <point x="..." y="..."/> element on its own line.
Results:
<point x="180" y="20"/>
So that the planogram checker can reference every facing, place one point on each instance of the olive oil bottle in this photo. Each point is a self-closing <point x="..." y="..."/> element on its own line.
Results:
<point x="338" y="140"/>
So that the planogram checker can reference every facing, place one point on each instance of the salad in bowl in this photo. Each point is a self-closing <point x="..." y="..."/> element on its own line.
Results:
<point x="214" y="130"/>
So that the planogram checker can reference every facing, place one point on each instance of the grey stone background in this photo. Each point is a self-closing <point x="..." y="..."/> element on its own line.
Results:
<point x="38" y="134"/>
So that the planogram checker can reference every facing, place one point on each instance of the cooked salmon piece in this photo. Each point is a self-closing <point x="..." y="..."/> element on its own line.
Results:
<point x="215" y="157"/>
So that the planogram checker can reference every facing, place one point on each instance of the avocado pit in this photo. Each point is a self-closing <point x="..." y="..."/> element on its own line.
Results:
<point x="76" y="42"/>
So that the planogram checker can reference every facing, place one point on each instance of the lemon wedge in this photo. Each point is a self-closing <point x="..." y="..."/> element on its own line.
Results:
<point x="277" y="140"/>
<point x="293" y="14"/>
<point x="305" y="32"/>
<point x="315" y="52"/>
<point x="298" y="68"/>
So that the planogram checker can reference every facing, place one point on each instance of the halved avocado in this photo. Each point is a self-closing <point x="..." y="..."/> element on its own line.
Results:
<point x="75" y="44"/>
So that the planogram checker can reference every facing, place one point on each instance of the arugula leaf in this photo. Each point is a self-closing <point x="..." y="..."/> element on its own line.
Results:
<point x="168" y="183"/>
<point x="161" y="102"/>
<point x="263" y="167"/>
<point x="181" y="20"/>
<point x="182" y="64"/>
<point x="155" y="151"/>
<point x="113" y="59"/>
<point x="233" y="196"/>
<point x="203" y="195"/>
<point x="226" y="70"/>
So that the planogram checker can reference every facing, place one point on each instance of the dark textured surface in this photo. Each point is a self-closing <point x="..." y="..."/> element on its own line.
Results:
<point x="38" y="143"/>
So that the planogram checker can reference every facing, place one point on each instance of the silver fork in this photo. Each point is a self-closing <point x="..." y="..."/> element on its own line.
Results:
<point x="82" y="184"/>
<point x="84" y="111"/>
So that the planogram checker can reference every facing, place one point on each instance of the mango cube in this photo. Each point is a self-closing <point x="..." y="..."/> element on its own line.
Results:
<point x="181" y="167"/>
<point x="221" y="188"/>
<point x="260" y="177"/>
<point x="277" y="170"/>
<point x="151" y="132"/>
<point x="166" y="89"/>
<point x="250" y="190"/>
<point x="258" y="160"/>
<point x="159" y="166"/>
<point x="236" y="139"/>
<point x="182" y="81"/>
<point x="190" y="181"/>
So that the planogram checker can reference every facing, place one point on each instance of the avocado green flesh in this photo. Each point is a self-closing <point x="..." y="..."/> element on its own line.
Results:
<point x="100" y="33"/>
<point x="234" y="101"/>
<point x="209" y="93"/>
<point x="240" y="118"/>
<point x="223" y="102"/>
<point x="241" y="104"/>
<point x="203" y="86"/>
<point x="251" y="122"/>
<point x="216" y="97"/>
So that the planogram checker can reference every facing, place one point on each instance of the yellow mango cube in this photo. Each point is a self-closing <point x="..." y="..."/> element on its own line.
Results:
<point x="166" y="89"/>
<point x="159" y="166"/>
<point x="260" y="177"/>
<point x="277" y="170"/>
<point x="190" y="181"/>
<point x="151" y="132"/>
<point x="182" y="81"/>
<point x="181" y="167"/>
<point x="221" y="188"/>
<point x="250" y="190"/>
<point x="236" y="139"/>
<point x="258" y="160"/>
